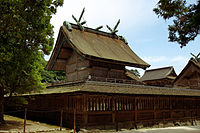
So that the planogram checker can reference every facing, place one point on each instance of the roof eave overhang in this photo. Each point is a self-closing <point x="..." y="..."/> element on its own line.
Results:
<point x="158" y="79"/>
<point x="53" y="57"/>
<point x="116" y="62"/>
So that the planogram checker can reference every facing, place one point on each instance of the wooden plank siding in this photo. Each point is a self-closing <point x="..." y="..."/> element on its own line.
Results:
<point x="108" y="109"/>
<point x="76" y="68"/>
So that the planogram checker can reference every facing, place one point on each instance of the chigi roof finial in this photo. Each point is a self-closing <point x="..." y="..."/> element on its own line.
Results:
<point x="114" y="30"/>
<point x="196" y="57"/>
<point x="79" y="23"/>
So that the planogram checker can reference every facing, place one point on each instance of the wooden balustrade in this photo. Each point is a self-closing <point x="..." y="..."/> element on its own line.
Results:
<point x="98" y="79"/>
<point x="100" y="109"/>
<point x="114" y="80"/>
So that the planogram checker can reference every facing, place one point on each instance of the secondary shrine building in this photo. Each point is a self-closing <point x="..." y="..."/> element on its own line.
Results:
<point x="98" y="90"/>
<point x="162" y="77"/>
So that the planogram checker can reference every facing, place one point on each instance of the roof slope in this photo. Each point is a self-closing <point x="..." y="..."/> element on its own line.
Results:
<point x="186" y="68"/>
<point x="116" y="88"/>
<point x="100" y="45"/>
<point x="159" y="73"/>
<point x="130" y="74"/>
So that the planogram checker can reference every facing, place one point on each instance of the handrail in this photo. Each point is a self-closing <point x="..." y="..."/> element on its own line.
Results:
<point x="115" y="80"/>
<point x="99" y="79"/>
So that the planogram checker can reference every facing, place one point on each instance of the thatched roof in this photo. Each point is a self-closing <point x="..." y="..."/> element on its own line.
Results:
<point x="116" y="88"/>
<point x="159" y="73"/>
<point x="191" y="68"/>
<point x="94" y="45"/>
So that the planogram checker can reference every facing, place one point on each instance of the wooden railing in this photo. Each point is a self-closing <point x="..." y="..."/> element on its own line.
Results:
<point x="115" y="80"/>
<point x="98" y="79"/>
<point x="56" y="83"/>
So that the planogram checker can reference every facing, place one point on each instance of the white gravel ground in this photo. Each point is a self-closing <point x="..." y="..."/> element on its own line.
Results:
<point x="181" y="129"/>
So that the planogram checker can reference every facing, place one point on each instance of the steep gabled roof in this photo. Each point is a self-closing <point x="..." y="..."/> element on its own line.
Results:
<point x="93" y="45"/>
<point x="187" y="71"/>
<point x="159" y="73"/>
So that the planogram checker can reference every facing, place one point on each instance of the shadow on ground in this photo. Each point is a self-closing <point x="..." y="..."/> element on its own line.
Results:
<point x="11" y="124"/>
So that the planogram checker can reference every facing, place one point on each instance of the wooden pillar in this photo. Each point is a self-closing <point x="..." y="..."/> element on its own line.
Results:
<point x="25" y="111"/>
<point x="103" y="101"/>
<point x="135" y="109"/>
<point x="154" y="107"/>
<point x="74" y="120"/>
<point x="113" y="109"/>
<point x="195" y="109"/>
<point x="170" y="108"/>
<point x="76" y="68"/>
<point x="61" y="119"/>
<point x="85" y="110"/>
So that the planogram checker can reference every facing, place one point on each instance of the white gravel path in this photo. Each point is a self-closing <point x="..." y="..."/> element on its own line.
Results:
<point x="181" y="129"/>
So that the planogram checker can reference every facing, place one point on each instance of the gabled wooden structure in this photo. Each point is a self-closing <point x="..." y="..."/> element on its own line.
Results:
<point x="189" y="76"/>
<point x="92" y="55"/>
<point x="113" y="105"/>
<point x="159" y="77"/>
<point x="94" y="94"/>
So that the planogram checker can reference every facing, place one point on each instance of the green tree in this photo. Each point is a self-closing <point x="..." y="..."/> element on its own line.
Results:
<point x="25" y="32"/>
<point x="135" y="72"/>
<point x="186" y="19"/>
<point x="51" y="76"/>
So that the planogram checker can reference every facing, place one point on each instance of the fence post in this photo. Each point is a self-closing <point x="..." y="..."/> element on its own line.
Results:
<point x="25" y="119"/>
<point x="61" y="117"/>
<point x="74" y="120"/>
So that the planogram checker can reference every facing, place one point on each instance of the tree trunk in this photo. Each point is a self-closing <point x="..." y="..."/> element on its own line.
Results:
<point x="1" y="102"/>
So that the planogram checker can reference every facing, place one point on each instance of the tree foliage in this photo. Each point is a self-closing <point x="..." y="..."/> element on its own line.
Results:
<point x="25" y="33"/>
<point x="22" y="72"/>
<point x="51" y="76"/>
<point x="135" y="72"/>
<point x="186" y="19"/>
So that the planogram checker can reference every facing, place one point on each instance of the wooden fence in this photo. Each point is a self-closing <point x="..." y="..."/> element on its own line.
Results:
<point x="99" y="79"/>
<point x="111" y="109"/>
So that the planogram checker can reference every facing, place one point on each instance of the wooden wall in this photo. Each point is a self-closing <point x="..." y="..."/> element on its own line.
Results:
<point x="191" y="82"/>
<point x="190" y="78"/>
<point x="144" y="108"/>
<point x="76" y="68"/>
<point x="160" y="82"/>
<point x="111" y="109"/>
<point x="107" y="70"/>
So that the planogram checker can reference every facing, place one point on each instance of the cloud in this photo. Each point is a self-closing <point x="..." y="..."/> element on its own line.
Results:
<point x="161" y="59"/>
<point x="179" y="59"/>
<point x="155" y="59"/>
<point x="106" y="12"/>
<point x="132" y="13"/>
<point x="178" y="62"/>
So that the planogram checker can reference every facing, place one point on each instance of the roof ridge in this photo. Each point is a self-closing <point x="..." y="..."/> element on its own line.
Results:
<point x="160" y="68"/>
<point x="100" y="32"/>
<point x="194" y="61"/>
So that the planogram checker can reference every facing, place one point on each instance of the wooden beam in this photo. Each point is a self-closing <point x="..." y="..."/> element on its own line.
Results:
<point x="65" y="53"/>
<point x="60" y="43"/>
<point x="59" y="65"/>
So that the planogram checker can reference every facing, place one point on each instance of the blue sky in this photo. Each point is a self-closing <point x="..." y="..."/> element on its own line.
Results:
<point x="146" y="34"/>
